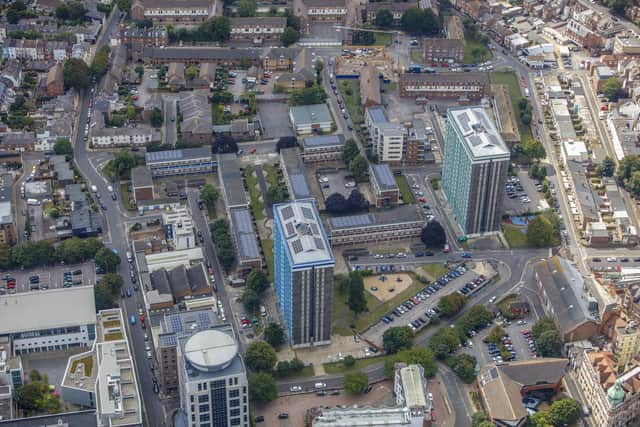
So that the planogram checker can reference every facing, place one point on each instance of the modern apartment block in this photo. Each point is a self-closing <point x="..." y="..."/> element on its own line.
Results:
<point x="303" y="265"/>
<point x="385" y="188"/>
<point x="213" y="379"/>
<point x="474" y="169"/>
<point x="187" y="161"/>
<point x="323" y="148"/>
<point x="385" y="137"/>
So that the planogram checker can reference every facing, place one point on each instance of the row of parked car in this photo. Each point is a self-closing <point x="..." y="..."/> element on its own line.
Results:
<point x="532" y="343"/>
<point x="473" y="284"/>
<point x="496" y="354"/>
<point x="423" y="296"/>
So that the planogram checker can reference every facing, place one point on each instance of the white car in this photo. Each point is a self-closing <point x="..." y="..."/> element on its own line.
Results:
<point x="611" y="259"/>
<point x="295" y="388"/>
<point x="149" y="356"/>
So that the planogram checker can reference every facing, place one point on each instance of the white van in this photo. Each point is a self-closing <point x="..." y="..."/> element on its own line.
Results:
<point x="320" y="386"/>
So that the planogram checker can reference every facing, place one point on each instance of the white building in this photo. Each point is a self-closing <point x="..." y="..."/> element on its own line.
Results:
<point x="178" y="224"/>
<point x="53" y="319"/>
<point x="576" y="150"/>
<point x="124" y="137"/>
<point x="387" y="138"/>
<point x="105" y="378"/>
<point x="307" y="119"/>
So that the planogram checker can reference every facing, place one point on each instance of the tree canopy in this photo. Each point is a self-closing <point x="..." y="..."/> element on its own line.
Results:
<point x="397" y="338"/>
<point x="337" y="204"/>
<point x="107" y="260"/>
<point x="415" y="355"/>
<point x="607" y="167"/>
<point x="289" y="36"/>
<point x="421" y="21"/>
<point x="542" y="231"/>
<point x="156" y="118"/>
<point x="444" y="342"/>
<point x="384" y="18"/>
<point x="612" y="88"/>
<point x="464" y="366"/>
<point x="550" y="344"/>
<point x="63" y="147"/>
<point x="209" y="196"/>
<point x="247" y="8"/>
<point x="433" y="235"/>
<point x="565" y="412"/>
<point x="350" y="150"/>
<point x="260" y="356"/>
<point x="274" y="334"/>
<point x="262" y="387"/>
<point x="355" y="382"/>
<point x="70" y="11"/>
<point x="359" y="168"/>
<point x="76" y="74"/>
<point x="221" y="238"/>
<point x="100" y="63"/>
<point x="451" y="304"/>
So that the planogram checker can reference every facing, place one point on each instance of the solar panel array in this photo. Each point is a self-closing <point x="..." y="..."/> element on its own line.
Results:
<point x="246" y="238"/>
<point x="287" y="213"/>
<point x="299" y="186"/>
<point x="314" y="228"/>
<point x="204" y="319"/>
<point x="175" y="323"/>
<point x="351" y="221"/>
<point x="168" y="340"/>
<point x="242" y="220"/>
<point x="248" y="246"/>
<point x="297" y="246"/>
<point x="307" y="213"/>
<point x="384" y="176"/>
<point x="290" y="229"/>
<point x="319" y="243"/>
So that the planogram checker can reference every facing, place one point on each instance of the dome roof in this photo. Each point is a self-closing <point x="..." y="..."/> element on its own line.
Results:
<point x="616" y="393"/>
<point x="210" y="350"/>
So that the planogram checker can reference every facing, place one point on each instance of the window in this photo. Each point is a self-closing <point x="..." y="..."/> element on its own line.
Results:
<point x="235" y="412"/>
<point x="235" y="421"/>
<point x="203" y="408"/>
<point x="234" y="393"/>
<point x="234" y="403"/>
<point x="204" y="418"/>
<point x="202" y="398"/>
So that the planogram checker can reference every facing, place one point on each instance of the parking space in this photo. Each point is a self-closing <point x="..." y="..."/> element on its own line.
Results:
<point x="274" y="117"/>
<point x="236" y="82"/>
<point x="612" y="264"/>
<point x="336" y="182"/>
<point x="522" y="194"/>
<point x="55" y="277"/>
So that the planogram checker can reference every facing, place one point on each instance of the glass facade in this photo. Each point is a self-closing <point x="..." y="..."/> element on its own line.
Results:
<point x="456" y="174"/>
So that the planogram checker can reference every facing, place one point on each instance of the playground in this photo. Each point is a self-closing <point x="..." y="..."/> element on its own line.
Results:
<point x="386" y="286"/>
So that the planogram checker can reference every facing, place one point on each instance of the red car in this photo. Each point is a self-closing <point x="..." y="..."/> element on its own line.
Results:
<point x="253" y="150"/>
<point x="422" y="200"/>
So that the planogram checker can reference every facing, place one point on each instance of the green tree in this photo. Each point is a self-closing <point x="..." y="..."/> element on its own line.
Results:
<point x="76" y="74"/>
<point x="550" y="344"/>
<point x="565" y="411"/>
<point x="289" y="36"/>
<point x="276" y="195"/>
<point x="617" y="6"/>
<point x="63" y="147"/>
<point x="209" y="196"/>
<point x="113" y="283"/>
<point x="451" y="304"/>
<point x="540" y="419"/>
<point x="100" y="63"/>
<point x="433" y="235"/>
<point x="416" y="355"/>
<point x="124" y="5"/>
<point x="397" y="338"/>
<point x="247" y="8"/>
<point x="478" y="418"/>
<point x="496" y="335"/>
<point x="464" y="367"/>
<point x="349" y="361"/>
<point x="540" y="232"/>
<point x="384" y="18"/>
<point x="103" y="297"/>
<point x="626" y="167"/>
<point x="444" y="342"/>
<point x="607" y="167"/>
<point x="250" y="300"/>
<point x="139" y="71"/>
<point x="222" y="241"/>
<point x="257" y="281"/>
<point x="633" y="184"/>
<point x="156" y="118"/>
<point x="262" y="387"/>
<point x="355" y="382"/>
<point x="107" y="259"/>
<point x="70" y="11"/>
<point x="274" y="334"/>
<point x="541" y="326"/>
<point x="260" y="356"/>
<point x="131" y="112"/>
<point x="612" y="88"/>
<point x="533" y="149"/>
<point x="359" y="167"/>
<point x="350" y="150"/>
<point x="124" y="161"/>
<point x="309" y="95"/>
<point x="412" y="21"/>
<point x="356" y="299"/>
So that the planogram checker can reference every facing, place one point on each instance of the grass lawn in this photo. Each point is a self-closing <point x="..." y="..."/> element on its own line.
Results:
<point x="435" y="269"/>
<point x="405" y="190"/>
<point x="338" y="367"/>
<point x="87" y="364"/>
<point x="267" y="247"/>
<point x="514" y="236"/>
<point x="350" y="91"/>
<point x="383" y="39"/>
<point x="470" y="46"/>
<point x="217" y="116"/>
<point x="510" y="79"/>
<point x="416" y="56"/>
<point x="257" y="207"/>
<point x="306" y="372"/>
<point x="272" y="175"/>
<point x="124" y="193"/>
<point x="504" y="303"/>
<point x="343" y="317"/>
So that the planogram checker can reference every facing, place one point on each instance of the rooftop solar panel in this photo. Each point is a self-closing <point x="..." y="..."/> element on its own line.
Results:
<point x="290" y="230"/>
<point x="297" y="246"/>
<point x="307" y="213"/>
<point x="299" y="186"/>
<point x="351" y="221"/>
<point x="287" y="212"/>
<point x="314" y="228"/>
<point x="384" y="176"/>
<point x="168" y="340"/>
<point x="175" y="323"/>
<point x="242" y="220"/>
<point x="319" y="243"/>
<point x="248" y="246"/>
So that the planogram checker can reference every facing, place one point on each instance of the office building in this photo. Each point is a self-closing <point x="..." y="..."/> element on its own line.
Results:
<point x="48" y="320"/>
<point x="303" y="265"/>
<point x="104" y="378"/>
<point x="474" y="169"/>
<point x="187" y="161"/>
<point x="213" y="379"/>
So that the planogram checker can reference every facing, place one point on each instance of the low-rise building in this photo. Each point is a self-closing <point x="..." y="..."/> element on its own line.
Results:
<point x="469" y="86"/>
<point x="300" y="74"/>
<point x="55" y="81"/>
<point x="386" y="138"/>
<point x="583" y="35"/>
<point x="443" y="50"/>
<point x="626" y="45"/>
<point x="179" y="228"/>
<point x="600" y="76"/>
<point x="565" y="298"/>
<point x="180" y="282"/>
<point x="574" y="150"/>
<point x="307" y="119"/>
<point x="183" y="12"/>
<point x="198" y="55"/>
<point x="175" y="76"/>
<point x="136" y="39"/>
<point x="403" y="222"/>
<point x="104" y="378"/>
<point x="257" y="29"/>
<point x="140" y="135"/>
<point x="186" y="161"/>
<point x="196" y="126"/>
<point x="232" y="182"/>
<point x="141" y="184"/>
<point x="397" y="9"/>
<point x="319" y="11"/>
<point x="383" y="184"/>
<point x="294" y="175"/>
<point x="324" y="148"/>
<point x="245" y="238"/>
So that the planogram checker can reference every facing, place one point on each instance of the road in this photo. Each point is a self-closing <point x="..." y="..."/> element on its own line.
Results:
<point x="170" y="113"/>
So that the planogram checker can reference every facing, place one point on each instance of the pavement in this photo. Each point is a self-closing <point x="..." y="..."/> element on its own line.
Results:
<point x="170" y="129"/>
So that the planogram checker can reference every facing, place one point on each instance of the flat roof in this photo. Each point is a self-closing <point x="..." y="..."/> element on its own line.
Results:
<point x="210" y="350"/>
<point x="383" y="176"/>
<point x="300" y="225"/>
<point x="246" y="238"/>
<point x="200" y="53"/>
<point x="397" y="215"/>
<point x="46" y="309"/>
<point x="177" y="155"/>
<point x="322" y="141"/>
<point x="232" y="181"/>
<point x="309" y="114"/>
<point x="377" y="114"/>
<point x="414" y="387"/>
<point x="295" y="172"/>
<point x="478" y="132"/>
<point x="141" y="177"/>
<point x="459" y="79"/>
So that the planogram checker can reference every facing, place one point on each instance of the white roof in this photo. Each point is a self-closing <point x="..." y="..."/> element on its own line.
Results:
<point x="574" y="148"/>
<point x="173" y="259"/>
<point x="413" y="386"/>
<point x="53" y="308"/>
<point x="479" y="133"/>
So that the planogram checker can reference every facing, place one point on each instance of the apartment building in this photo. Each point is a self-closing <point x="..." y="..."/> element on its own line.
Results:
<point x="294" y="174"/>
<point x="257" y="29"/>
<point x="198" y="55"/>
<point x="383" y="184"/>
<point x="319" y="11"/>
<point x="307" y="119"/>
<point x="625" y="340"/>
<point x="443" y="50"/>
<point x="136" y="39"/>
<point x="474" y="169"/>
<point x="303" y="264"/>
<point x="324" y="148"/>
<point x="187" y="161"/>
<point x="582" y="35"/>
<point x="386" y="138"/>
<point x="7" y="219"/>
<point x="141" y="184"/>
<point x="400" y="223"/>
<point x="197" y="125"/>
<point x="182" y="12"/>
<point x="462" y="86"/>
<point x="124" y="137"/>
<point x="397" y="9"/>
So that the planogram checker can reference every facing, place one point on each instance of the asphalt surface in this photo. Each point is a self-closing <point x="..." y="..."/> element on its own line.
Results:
<point x="170" y="130"/>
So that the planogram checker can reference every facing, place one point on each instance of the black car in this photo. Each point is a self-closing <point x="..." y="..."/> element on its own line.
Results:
<point x="259" y="419"/>
<point x="34" y="279"/>
<point x="77" y="272"/>
<point x="283" y="416"/>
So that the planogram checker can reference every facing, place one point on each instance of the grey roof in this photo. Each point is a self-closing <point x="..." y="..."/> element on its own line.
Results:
<point x="164" y="4"/>
<point x="478" y="132"/>
<point x="263" y="21"/>
<point x="200" y="54"/>
<point x="6" y="210"/>
<point x="180" y="280"/>
<point x="294" y="169"/>
<point x="309" y="114"/>
<point x="398" y="215"/>
<point x="282" y="52"/>
<point x="177" y="155"/>
<point x="383" y="176"/>
<point x="141" y="177"/>
<point x="589" y="201"/>
<point x="245" y="236"/>
<point x="196" y="112"/>
<point x="232" y="181"/>
<point x="453" y="78"/>
<point x="323" y="141"/>
<point x="378" y="114"/>
<point x="65" y="419"/>
<point x="236" y="367"/>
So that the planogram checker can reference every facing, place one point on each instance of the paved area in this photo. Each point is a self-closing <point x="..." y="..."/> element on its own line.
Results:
<point x="516" y="205"/>
<point x="51" y="363"/>
<point x="444" y="415"/>
<point x="335" y="183"/>
<point x="274" y="117"/>
<point x="238" y="88"/>
<point x="51" y="278"/>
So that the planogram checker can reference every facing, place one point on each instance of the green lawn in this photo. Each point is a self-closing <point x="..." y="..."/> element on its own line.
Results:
<point x="267" y="247"/>
<point x="471" y="46"/>
<point x="510" y="79"/>
<point x="435" y="270"/>
<point x="217" y="115"/>
<point x="416" y="56"/>
<point x="383" y="39"/>
<point x="257" y="207"/>
<point x="405" y="190"/>
<point x="350" y="91"/>
<point x="343" y="318"/>
<point x="272" y="175"/>
<point x="124" y="193"/>
<point x="306" y="372"/>
<point x="505" y="302"/>
<point x="339" y="368"/>
<point x="514" y="236"/>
